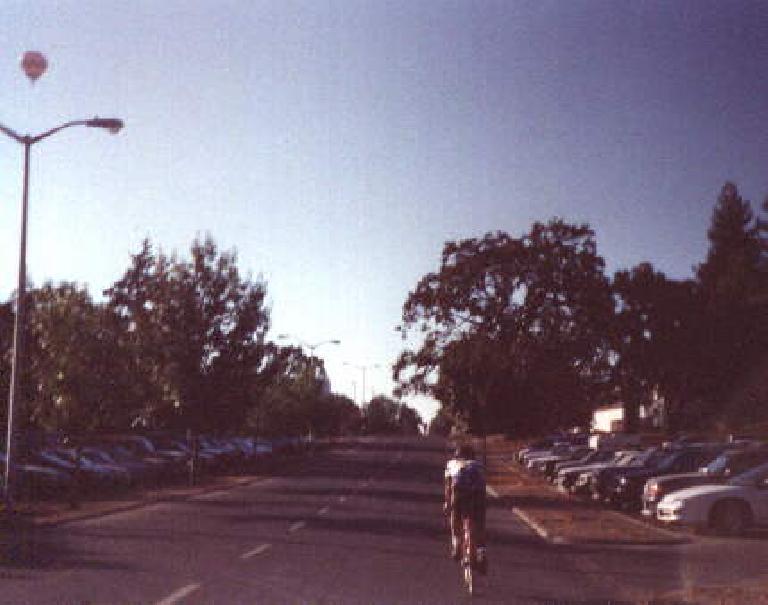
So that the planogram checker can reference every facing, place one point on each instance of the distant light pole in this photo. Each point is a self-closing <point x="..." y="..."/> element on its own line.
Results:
<point x="113" y="125"/>
<point x="362" y="368"/>
<point x="306" y="345"/>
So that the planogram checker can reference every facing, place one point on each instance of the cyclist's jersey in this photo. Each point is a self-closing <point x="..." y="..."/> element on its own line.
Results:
<point x="465" y="475"/>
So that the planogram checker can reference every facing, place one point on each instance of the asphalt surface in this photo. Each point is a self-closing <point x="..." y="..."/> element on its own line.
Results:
<point x="358" y="524"/>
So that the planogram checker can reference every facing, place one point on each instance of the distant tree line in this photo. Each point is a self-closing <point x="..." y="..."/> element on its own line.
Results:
<point x="529" y="334"/>
<point x="177" y="343"/>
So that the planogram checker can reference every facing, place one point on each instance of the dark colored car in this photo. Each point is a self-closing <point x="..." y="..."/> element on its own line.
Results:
<point x="624" y="489"/>
<point x="728" y="464"/>
<point x="57" y="459"/>
<point x="546" y="465"/>
<point x="577" y="480"/>
<point x="37" y="482"/>
<point x="591" y="457"/>
<point x="592" y="483"/>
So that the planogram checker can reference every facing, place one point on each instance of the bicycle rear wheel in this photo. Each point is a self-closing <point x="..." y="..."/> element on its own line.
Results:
<point x="469" y="578"/>
<point x="468" y="558"/>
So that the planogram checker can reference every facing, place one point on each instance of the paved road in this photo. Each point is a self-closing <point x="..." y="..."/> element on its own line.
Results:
<point x="360" y="524"/>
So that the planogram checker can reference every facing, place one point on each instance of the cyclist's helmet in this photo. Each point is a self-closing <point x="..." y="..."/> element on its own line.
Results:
<point x="465" y="452"/>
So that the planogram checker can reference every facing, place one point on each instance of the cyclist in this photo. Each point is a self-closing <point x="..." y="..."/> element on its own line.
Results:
<point x="465" y="497"/>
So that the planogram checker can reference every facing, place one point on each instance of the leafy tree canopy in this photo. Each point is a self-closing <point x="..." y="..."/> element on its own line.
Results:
<point x="512" y="328"/>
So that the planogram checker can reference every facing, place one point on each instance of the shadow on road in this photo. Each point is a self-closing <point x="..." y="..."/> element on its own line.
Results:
<point x="387" y="494"/>
<point x="397" y="445"/>
<point x="27" y="547"/>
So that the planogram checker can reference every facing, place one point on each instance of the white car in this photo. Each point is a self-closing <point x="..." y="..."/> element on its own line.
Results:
<point x="729" y="508"/>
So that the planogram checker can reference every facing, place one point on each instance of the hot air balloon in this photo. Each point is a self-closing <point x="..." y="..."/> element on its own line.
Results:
<point x="34" y="64"/>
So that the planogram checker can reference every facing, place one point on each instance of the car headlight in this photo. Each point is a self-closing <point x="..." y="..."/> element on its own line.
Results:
<point x="674" y="504"/>
<point x="623" y="481"/>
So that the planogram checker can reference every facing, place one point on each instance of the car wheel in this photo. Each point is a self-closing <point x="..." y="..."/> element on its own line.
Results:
<point x="730" y="518"/>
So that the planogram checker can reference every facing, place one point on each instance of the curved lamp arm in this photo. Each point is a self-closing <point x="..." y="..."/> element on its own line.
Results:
<point x="112" y="124"/>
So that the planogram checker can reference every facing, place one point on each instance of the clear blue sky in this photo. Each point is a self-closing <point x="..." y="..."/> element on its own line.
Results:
<point x="338" y="144"/>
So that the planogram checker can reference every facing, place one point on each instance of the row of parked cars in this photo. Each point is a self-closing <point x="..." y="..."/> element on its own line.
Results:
<point x="62" y="469"/>
<point x="705" y="485"/>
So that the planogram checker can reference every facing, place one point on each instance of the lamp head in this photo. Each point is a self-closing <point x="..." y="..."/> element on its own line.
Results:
<point x="114" y="125"/>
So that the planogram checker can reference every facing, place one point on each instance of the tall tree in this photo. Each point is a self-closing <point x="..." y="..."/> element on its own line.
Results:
<point x="516" y="323"/>
<point x="731" y="268"/>
<point x="197" y="329"/>
<point x="657" y="344"/>
<point x="74" y="363"/>
<point x="734" y="336"/>
<point x="385" y="416"/>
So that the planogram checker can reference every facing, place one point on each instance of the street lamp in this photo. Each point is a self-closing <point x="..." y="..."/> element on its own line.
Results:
<point x="306" y="345"/>
<point x="113" y="125"/>
<point x="362" y="368"/>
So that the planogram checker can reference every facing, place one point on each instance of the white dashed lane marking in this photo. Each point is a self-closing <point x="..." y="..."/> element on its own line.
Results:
<point x="491" y="492"/>
<point x="179" y="594"/>
<point x="324" y="510"/>
<point x="297" y="526"/>
<point x="256" y="551"/>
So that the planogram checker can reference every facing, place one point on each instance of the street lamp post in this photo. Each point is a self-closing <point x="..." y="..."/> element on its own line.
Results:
<point x="113" y="125"/>
<point x="362" y="368"/>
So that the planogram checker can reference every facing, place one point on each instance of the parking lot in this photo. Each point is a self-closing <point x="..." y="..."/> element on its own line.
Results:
<point x="720" y="568"/>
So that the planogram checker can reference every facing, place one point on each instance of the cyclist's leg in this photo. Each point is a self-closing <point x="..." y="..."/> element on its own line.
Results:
<point x="468" y="526"/>
<point x="480" y="520"/>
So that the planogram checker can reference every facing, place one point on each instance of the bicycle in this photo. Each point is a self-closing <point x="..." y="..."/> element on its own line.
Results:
<point x="469" y="554"/>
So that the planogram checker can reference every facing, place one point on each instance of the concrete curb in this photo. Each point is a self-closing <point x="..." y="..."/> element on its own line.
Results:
<point x="83" y="515"/>
<point x="73" y="515"/>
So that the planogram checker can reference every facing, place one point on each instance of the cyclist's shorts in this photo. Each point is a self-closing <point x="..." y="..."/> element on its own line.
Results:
<point x="470" y="504"/>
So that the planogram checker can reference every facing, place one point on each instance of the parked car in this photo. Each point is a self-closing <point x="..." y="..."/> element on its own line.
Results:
<point x="728" y="508"/>
<point x="559" y="449"/>
<point x="595" y="483"/>
<point x="147" y="469"/>
<point x="546" y="464"/>
<point x="624" y="488"/>
<point x="591" y="457"/>
<point x="88" y="476"/>
<point x="35" y="482"/>
<point x="109" y="475"/>
<point x="566" y="477"/>
<point x="545" y="444"/>
<point x="580" y="478"/>
<point x="728" y="464"/>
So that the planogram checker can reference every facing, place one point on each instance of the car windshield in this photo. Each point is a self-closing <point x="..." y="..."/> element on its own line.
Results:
<point x="752" y="476"/>
<point x="718" y="465"/>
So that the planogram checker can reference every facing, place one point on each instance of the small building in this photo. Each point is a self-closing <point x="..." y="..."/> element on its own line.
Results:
<point x="608" y="418"/>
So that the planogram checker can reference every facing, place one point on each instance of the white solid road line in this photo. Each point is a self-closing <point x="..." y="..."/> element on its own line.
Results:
<point x="297" y="526"/>
<point x="179" y="594"/>
<point x="256" y="551"/>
